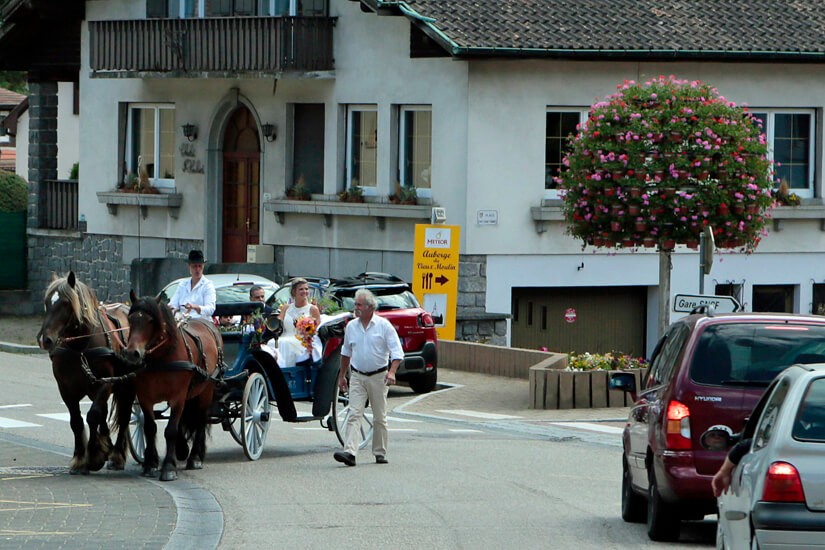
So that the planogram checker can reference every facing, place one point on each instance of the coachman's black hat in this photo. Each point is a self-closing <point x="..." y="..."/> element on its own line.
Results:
<point x="196" y="257"/>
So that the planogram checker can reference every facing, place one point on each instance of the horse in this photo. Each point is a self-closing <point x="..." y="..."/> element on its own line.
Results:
<point x="179" y="365"/>
<point x="84" y="340"/>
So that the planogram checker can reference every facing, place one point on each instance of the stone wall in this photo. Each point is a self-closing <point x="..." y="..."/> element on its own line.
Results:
<point x="473" y="322"/>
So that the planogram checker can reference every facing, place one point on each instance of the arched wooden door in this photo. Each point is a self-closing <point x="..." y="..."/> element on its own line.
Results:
<point x="241" y="185"/>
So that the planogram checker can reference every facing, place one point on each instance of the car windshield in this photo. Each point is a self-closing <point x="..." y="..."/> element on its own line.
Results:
<point x="386" y="298"/>
<point x="224" y="294"/>
<point x="753" y="354"/>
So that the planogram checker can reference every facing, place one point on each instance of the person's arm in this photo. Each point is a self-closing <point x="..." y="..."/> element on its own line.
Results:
<point x="396" y="353"/>
<point x="174" y="303"/>
<point x="315" y="313"/>
<point x="722" y="479"/>
<point x="346" y="353"/>
<point x="207" y="308"/>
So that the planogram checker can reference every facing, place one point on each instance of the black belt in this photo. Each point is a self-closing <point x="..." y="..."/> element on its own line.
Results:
<point x="368" y="373"/>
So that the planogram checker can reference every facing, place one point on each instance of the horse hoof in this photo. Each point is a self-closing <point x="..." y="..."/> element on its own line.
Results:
<point x="115" y="465"/>
<point x="168" y="476"/>
<point x="97" y="464"/>
<point x="152" y="472"/>
<point x="194" y="465"/>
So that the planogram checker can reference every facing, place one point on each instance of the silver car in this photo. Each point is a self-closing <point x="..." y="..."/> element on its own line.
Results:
<point x="777" y="494"/>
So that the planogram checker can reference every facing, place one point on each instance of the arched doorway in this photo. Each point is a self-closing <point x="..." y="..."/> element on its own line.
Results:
<point x="241" y="185"/>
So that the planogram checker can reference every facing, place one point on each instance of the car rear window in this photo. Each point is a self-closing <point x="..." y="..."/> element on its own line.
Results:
<point x="753" y="354"/>
<point x="810" y="420"/>
<point x="387" y="299"/>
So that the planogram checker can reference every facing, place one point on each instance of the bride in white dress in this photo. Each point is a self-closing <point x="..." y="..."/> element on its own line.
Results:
<point x="291" y="349"/>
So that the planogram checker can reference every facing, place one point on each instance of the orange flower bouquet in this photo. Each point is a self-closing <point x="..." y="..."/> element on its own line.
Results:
<point x="305" y="330"/>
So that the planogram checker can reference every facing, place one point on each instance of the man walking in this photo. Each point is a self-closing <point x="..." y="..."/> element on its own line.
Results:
<point x="370" y="344"/>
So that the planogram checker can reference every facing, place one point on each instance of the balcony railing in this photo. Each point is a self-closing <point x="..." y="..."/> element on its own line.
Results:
<point x="58" y="209"/>
<point x="225" y="45"/>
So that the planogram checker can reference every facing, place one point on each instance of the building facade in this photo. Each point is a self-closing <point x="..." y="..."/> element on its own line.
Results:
<point x="227" y="107"/>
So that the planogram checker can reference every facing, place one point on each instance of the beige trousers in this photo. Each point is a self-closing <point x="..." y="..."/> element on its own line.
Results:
<point x="375" y="389"/>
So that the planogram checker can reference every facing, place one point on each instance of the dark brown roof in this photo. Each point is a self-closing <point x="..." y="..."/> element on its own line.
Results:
<point x="723" y="29"/>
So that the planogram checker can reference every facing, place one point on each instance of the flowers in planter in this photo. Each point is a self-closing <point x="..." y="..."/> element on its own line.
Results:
<point x="135" y="184"/>
<point x="404" y="195"/>
<point x="299" y="191"/>
<point x="784" y="197"/>
<point x="657" y="162"/>
<point x="608" y="361"/>
<point x="353" y="194"/>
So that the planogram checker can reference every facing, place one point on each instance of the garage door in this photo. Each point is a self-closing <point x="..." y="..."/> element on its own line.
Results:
<point x="595" y="320"/>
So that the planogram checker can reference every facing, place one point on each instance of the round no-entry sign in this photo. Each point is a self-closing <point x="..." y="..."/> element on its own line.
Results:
<point x="570" y="315"/>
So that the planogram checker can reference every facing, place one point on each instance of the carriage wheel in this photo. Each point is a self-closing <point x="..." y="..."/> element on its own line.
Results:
<point x="340" y="413"/>
<point x="137" y="437"/>
<point x="255" y="417"/>
<point x="233" y="423"/>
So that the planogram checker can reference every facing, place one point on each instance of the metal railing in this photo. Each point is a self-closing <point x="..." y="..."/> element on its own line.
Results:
<point x="58" y="207"/>
<point x="220" y="44"/>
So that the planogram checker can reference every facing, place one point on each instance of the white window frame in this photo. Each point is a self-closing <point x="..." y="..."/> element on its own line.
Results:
<point x="351" y="111"/>
<point x="160" y="183"/>
<point x="402" y="147"/>
<point x="553" y="194"/>
<point x="769" y="127"/>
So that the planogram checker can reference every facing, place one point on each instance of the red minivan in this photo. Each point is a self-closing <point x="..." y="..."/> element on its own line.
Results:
<point x="707" y="370"/>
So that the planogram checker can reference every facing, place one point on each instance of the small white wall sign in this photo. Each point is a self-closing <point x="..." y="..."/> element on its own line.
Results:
<point x="487" y="217"/>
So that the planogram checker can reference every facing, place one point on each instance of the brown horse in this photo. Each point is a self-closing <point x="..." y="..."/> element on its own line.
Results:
<point x="176" y="364"/>
<point x="84" y="342"/>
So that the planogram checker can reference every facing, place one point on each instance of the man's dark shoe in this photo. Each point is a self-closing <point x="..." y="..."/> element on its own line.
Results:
<point x="381" y="459"/>
<point x="344" y="457"/>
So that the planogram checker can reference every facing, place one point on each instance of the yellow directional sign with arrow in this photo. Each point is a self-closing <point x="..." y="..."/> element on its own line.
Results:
<point x="435" y="274"/>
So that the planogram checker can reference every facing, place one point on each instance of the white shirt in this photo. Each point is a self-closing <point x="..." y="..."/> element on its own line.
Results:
<point x="371" y="348"/>
<point x="203" y="295"/>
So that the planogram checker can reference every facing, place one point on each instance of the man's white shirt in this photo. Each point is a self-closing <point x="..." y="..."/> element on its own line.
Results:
<point x="203" y="294"/>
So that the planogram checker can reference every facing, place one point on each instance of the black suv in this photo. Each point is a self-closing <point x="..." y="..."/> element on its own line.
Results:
<point x="397" y="304"/>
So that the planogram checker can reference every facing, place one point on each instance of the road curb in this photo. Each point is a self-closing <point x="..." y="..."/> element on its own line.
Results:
<point x="8" y="347"/>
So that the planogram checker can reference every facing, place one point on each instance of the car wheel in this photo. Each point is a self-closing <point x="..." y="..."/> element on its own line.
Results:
<point x="634" y="508"/>
<point x="424" y="383"/>
<point x="663" y="523"/>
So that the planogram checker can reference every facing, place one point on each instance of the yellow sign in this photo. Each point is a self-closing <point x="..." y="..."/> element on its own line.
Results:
<point x="435" y="274"/>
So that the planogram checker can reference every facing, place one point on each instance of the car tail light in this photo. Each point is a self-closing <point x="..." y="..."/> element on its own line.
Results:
<point x="678" y="426"/>
<point x="426" y="320"/>
<point x="782" y="484"/>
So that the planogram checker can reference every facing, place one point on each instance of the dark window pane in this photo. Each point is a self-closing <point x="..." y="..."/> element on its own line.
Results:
<point x="156" y="8"/>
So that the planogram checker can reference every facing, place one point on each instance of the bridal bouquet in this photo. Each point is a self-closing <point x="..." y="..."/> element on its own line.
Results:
<point x="305" y="330"/>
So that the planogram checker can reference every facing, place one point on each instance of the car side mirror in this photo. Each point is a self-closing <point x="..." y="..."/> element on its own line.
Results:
<point x="718" y="438"/>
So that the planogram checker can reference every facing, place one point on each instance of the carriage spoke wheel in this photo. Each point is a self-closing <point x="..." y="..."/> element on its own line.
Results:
<point x="255" y="417"/>
<point x="137" y="437"/>
<point x="233" y="423"/>
<point x="340" y="413"/>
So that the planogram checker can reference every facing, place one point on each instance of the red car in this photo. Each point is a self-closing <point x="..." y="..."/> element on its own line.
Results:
<point x="706" y="371"/>
<point x="396" y="303"/>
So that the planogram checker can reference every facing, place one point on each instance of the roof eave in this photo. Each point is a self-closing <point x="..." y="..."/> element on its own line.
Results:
<point x="634" y="55"/>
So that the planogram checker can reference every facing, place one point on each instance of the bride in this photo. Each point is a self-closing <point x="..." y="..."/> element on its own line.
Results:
<point x="291" y="350"/>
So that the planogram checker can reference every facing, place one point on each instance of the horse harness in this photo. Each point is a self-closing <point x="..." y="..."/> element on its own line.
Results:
<point x="101" y="352"/>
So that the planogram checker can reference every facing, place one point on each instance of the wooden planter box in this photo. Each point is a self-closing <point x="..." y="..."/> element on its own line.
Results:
<point x="560" y="389"/>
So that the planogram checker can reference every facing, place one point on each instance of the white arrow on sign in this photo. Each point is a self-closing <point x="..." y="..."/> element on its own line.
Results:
<point x="685" y="303"/>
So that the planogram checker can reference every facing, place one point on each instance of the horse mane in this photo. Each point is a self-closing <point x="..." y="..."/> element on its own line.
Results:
<point x="81" y="298"/>
<point x="156" y="309"/>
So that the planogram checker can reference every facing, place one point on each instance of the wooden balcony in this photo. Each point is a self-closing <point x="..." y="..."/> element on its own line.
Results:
<point x="224" y="46"/>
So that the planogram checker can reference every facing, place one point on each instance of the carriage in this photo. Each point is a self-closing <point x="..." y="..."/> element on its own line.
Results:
<point x="251" y="387"/>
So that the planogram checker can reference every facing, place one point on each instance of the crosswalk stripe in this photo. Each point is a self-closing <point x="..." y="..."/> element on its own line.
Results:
<point x="593" y="427"/>
<point x="15" y="406"/>
<point x="65" y="417"/>
<point x="477" y="414"/>
<point x="11" y="423"/>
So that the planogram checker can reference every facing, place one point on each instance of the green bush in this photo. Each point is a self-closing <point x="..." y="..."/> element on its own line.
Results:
<point x="75" y="171"/>
<point x="607" y="361"/>
<point x="13" y="192"/>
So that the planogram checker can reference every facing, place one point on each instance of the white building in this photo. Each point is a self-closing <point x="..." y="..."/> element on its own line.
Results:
<point x="463" y="101"/>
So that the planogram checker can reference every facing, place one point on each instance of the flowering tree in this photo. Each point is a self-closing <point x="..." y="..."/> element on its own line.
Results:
<point x="656" y="163"/>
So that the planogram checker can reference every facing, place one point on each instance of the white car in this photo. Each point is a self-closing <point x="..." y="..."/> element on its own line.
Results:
<point x="777" y="493"/>
<point x="230" y="288"/>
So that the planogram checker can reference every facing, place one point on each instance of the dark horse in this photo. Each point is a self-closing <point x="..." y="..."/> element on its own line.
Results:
<point x="176" y="364"/>
<point x="84" y="342"/>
